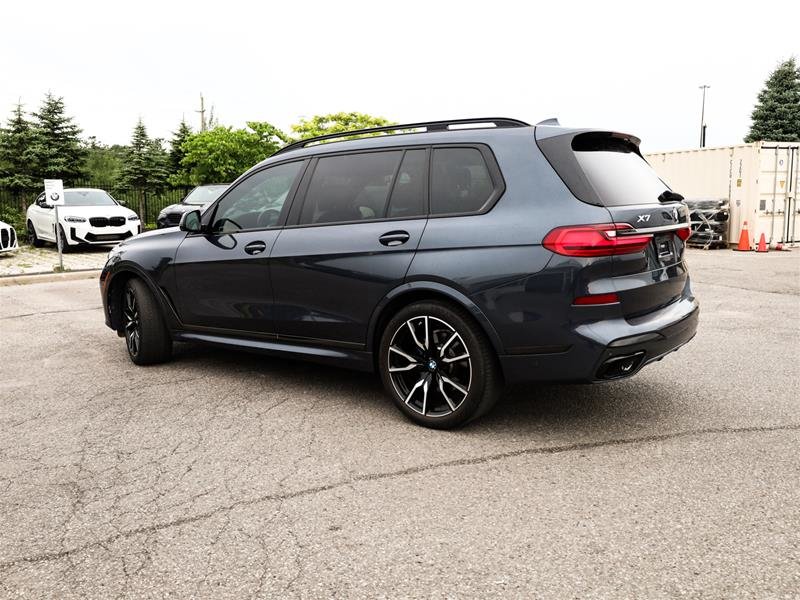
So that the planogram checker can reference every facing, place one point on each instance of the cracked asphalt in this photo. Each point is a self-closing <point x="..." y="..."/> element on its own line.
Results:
<point x="229" y="475"/>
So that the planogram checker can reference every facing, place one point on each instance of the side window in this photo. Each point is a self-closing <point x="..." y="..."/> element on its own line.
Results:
<point x="410" y="189"/>
<point x="350" y="187"/>
<point x="257" y="201"/>
<point x="460" y="181"/>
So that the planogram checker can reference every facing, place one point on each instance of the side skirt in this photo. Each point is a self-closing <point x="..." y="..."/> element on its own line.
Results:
<point x="358" y="360"/>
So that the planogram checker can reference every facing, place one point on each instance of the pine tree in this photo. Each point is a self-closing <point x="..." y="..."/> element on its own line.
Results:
<point x="178" y="174"/>
<point x="146" y="163"/>
<point x="58" y="152"/>
<point x="776" y="116"/>
<point x="16" y="145"/>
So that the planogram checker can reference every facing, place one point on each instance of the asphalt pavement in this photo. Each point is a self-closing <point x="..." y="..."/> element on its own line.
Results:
<point x="231" y="475"/>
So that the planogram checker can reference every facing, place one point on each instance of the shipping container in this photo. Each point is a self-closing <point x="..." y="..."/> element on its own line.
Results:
<point x="758" y="181"/>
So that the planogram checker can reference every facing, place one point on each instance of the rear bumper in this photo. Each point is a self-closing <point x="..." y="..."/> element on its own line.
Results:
<point x="598" y="344"/>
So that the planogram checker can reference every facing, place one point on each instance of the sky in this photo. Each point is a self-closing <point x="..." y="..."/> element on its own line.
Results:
<point x="626" y="66"/>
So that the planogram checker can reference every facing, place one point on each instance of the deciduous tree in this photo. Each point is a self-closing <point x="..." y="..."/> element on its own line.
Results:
<point x="221" y="154"/>
<point x="336" y="123"/>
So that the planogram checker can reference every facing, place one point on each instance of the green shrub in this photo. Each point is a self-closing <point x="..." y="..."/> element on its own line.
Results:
<point x="16" y="218"/>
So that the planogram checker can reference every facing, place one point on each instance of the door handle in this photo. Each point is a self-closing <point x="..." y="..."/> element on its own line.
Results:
<point x="394" y="238"/>
<point x="255" y="247"/>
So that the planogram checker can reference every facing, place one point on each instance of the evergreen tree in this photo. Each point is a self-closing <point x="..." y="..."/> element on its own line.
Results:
<point x="104" y="163"/>
<point x="58" y="152"/>
<point x="146" y="162"/>
<point x="178" y="174"/>
<point x="776" y="116"/>
<point x="17" y="141"/>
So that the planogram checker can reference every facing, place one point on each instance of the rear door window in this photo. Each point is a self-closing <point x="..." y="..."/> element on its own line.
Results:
<point x="460" y="181"/>
<point x="350" y="187"/>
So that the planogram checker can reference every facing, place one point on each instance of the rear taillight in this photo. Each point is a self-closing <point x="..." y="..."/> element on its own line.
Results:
<point x="595" y="240"/>
<point x="684" y="233"/>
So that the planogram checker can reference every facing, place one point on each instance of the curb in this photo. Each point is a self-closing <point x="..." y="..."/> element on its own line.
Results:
<point x="10" y="280"/>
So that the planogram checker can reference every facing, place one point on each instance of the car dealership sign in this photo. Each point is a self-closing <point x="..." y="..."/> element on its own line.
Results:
<point x="54" y="192"/>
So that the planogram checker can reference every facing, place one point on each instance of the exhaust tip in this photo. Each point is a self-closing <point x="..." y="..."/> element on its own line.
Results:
<point x="620" y="366"/>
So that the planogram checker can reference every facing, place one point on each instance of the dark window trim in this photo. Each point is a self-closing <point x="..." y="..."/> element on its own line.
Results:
<point x="425" y="187"/>
<point x="496" y="175"/>
<point x="211" y="213"/>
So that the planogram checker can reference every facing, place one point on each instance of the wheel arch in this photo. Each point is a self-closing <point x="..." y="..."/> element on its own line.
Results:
<point x="425" y="290"/>
<point x="116" y="285"/>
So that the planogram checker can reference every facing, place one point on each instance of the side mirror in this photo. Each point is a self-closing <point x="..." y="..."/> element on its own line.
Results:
<point x="190" y="222"/>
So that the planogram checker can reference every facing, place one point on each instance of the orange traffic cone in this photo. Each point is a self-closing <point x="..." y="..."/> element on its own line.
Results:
<point x="762" y="244"/>
<point x="744" y="239"/>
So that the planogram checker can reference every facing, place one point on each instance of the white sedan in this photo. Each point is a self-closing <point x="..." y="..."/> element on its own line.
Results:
<point x="8" y="238"/>
<point x="88" y="216"/>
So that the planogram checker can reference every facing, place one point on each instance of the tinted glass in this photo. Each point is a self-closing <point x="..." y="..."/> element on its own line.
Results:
<point x="350" y="188"/>
<point x="409" y="193"/>
<point x="87" y="198"/>
<point x="460" y="181"/>
<point x="256" y="202"/>
<point x="204" y="194"/>
<point x="617" y="173"/>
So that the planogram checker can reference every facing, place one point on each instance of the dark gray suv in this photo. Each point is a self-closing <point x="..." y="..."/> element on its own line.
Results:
<point x="451" y="257"/>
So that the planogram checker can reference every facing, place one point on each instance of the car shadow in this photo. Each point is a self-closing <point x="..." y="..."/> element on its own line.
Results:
<point x="573" y="410"/>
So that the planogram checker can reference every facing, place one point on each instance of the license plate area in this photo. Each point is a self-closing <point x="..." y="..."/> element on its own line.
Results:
<point x="665" y="247"/>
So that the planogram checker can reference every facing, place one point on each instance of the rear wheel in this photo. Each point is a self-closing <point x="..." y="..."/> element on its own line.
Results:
<point x="146" y="336"/>
<point x="33" y="239"/>
<point x="438" y="366"/>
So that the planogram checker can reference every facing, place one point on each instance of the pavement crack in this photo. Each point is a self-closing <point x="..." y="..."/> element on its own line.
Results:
<point x="739" y="287"/>
<point x="50" y="312"/>
<point x="388" y="475"/>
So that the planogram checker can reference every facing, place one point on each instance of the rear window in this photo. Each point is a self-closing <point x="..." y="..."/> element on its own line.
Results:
<point x="604" y="168"/>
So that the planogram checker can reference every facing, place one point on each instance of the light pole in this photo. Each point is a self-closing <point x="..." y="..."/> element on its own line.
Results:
<point x="703" y="117"/>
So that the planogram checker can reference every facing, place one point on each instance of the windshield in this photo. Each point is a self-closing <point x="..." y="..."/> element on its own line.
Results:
<point x="204" y="194"/>
<point x="87" y="198"/>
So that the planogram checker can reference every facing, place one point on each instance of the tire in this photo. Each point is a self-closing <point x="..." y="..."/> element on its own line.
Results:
<point x="146" y="336"/>
<point x="453" y="355"/>
<point x="65" y="247"/>
<point x="33" y="239"/>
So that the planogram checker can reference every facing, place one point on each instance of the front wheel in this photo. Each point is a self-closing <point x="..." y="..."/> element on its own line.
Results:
<point x="146" y="336"/>
<point x="64" y="244"/>
<point x="33" y="239"/>
<point x="438" y="366"/>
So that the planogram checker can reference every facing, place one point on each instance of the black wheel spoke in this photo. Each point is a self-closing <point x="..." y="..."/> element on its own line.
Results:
<point x="130" y="312"/>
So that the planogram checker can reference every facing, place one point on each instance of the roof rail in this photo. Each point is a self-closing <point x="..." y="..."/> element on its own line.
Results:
<point x="428" y="126"/>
